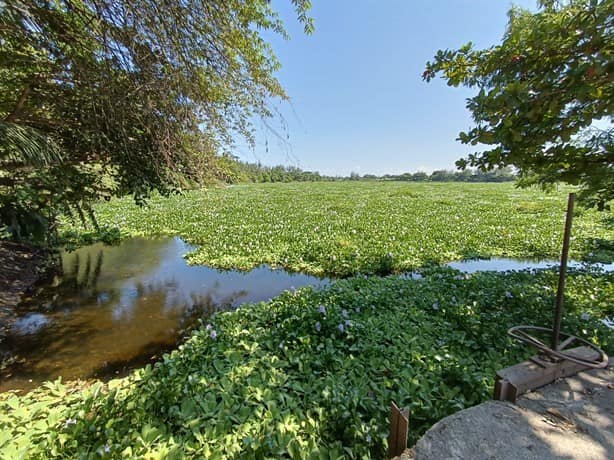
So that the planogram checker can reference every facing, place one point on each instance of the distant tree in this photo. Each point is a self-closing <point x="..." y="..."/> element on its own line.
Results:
<point x="101" y="97"/>
<point x="420" y="176"/>
<point x="540" y="93"/>
<point x="464" y="175"/>
<point x="442" y="176"/>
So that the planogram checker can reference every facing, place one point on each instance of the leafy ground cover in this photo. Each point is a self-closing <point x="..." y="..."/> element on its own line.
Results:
<point x="345" y="228"/>
<point x="309" y="374"/>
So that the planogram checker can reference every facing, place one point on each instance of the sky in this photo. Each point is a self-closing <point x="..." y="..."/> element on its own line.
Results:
<point x="357" y="99"/>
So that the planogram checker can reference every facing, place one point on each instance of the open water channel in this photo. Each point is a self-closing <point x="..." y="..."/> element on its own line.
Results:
<point x="115" y="308"/>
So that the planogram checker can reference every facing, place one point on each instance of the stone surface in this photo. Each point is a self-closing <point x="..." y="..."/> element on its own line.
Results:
<point x="572" y="418"/>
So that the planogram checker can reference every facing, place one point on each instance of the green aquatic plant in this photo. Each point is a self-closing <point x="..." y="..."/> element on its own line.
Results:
<point x="342" y="229"/>
<point x="311" y="373"/>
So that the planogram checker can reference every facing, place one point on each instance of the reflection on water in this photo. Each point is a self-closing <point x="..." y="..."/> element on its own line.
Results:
<point x="500" y="264"/>
<point x="116" y="306"/>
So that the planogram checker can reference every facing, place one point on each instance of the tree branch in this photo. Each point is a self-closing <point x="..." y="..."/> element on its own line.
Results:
<point x="11" y="117"/>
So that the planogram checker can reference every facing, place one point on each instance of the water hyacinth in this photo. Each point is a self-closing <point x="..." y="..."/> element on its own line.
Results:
<point x="322" y="309"/>
<point x="344" y="313"/>
<point x="239" y="238"/>
<point x="409" y="343"/>
<point x="69" y="422"/>
<point x="213" y="334"/>
<point x="407" y="351"/>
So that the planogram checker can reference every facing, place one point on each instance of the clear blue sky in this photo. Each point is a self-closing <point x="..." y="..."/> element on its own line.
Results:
<point x="358" y="102"/>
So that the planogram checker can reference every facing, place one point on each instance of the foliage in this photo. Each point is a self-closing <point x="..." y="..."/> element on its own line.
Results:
<point x="343" y="228"/>
<point x="239" y="172"/>
<point x="35" y="185"/>
<point x="310" y="374"/>
<point x="442" y="175"/>
<point x="545" y="96"/>
<point x="135" y="95"/>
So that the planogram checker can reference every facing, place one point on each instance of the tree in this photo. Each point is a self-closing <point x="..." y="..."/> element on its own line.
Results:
<point x="541" y="92"/>
<point x="130" y="95"/>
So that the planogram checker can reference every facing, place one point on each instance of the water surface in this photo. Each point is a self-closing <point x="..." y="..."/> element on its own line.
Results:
<point x="501" y="264"/>
<point x="117" y="307"/>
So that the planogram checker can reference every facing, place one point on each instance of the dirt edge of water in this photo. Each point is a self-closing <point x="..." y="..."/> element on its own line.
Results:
<point x="22" y="266"/>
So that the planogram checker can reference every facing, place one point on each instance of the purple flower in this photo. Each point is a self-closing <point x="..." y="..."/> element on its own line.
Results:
<point x="436" y="306"/>
<point x="508" y="294"/>
<point x="341" y="327"/>
<point x="208" y="327"/>
<point x="344" y="313"/>
<point x="318" y="326"/>
<point x="322" y="309"/>
<point x="213" y="334"/>
<point x="348" y="323"/>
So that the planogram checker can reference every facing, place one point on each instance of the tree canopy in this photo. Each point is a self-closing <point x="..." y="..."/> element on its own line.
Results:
<point x="546" y="96"/>
<point x="101" y="97"/>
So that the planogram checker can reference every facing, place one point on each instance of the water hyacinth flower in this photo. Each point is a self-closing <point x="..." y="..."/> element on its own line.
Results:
<point x="213" y="334"/>
<point x="69" y="422"/>
<point x="508" y="294"/>
<point x="208" y="327"/>
<point x="348" y="323"/>
<point x="344" y="313"/>
<point x="585" y="316"/>
<point x="341" y="327"/>
<point x="318" y="326"/>
<point x="106" y="448"/>
<point x="436" y="306"/>
<point x="322" y="309"/>
<point x="281" y="345"/>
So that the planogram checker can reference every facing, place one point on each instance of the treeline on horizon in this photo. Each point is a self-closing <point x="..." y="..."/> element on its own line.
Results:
<point x="237" y="172"/>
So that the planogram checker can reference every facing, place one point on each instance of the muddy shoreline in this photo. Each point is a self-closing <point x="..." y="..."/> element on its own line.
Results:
<point x="22" y="266"/>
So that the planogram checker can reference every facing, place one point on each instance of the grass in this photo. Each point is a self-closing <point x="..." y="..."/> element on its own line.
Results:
<point x="311" y="373"/>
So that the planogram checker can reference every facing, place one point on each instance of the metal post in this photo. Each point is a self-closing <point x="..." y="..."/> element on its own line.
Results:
<point x="558" y="313"/>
